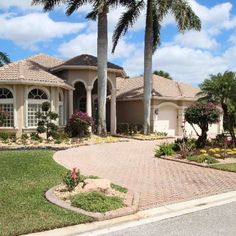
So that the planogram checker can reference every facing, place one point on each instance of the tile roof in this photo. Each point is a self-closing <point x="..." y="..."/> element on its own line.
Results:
<point x="88" y="60"/>
<point x="162" y="87"/>
<point x="32" y="70"/>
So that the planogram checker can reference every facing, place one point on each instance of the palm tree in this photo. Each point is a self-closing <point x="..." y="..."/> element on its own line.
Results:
<point x="155" y="11"/>
<point x="100" y="11"/>
<point x="221" y="89"/>
<point x="162" y="74"/>
<point x="4" y="59"/>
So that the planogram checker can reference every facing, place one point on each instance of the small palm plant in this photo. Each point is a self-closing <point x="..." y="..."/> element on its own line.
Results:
<point x="4" y="59"/>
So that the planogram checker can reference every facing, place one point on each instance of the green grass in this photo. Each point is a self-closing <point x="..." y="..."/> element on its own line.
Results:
<point x="96" y="202"/>
<point x="24" y="178"/>
<point x="227" y="167"/>
<point x="202" y="158"/>
<point x="119" y="188"/>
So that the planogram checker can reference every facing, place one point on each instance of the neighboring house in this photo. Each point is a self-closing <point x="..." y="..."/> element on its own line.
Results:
<point x="72" y="86"/>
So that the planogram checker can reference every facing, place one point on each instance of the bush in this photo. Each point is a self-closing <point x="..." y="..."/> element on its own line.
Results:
<point x="79" y="124"/>
<point x="34" y="136"/>
<point x="12" y="137"/>
<point x="123" y="128"/>
<point x="185" y="146"/>
<point x="96" y="202"/>
<point x="4" y="136"/>
<point x="72" y="179"/>
<point x="165" y="150"/>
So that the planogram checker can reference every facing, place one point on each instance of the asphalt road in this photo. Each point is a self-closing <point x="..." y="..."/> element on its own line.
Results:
<point x="217" y="221"/>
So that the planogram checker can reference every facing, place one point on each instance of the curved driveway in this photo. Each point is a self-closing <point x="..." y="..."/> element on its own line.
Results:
<point x="158" y="181"/>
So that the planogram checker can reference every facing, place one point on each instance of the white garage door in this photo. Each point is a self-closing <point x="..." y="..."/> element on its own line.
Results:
<point x="166" y="120"/>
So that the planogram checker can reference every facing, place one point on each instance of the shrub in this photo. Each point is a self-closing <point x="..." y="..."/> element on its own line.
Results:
<point x="72" y="178"/>
<point x="211" y="160"/>
<point x="165" y="150"/>
<point x="34" y="136"/>
<point x="12" y="137"/>
<point x="202" y="114"/>
<point x="185" y="146"/>
<point x="96" y="202"/>
<point x="4" y="136"/>
<point x="45" y="123"/>
<point x="79" y="124"/>
<point x="119" y="188"/>
<point x="135" y="128"/>
<point x="123" y="128"/>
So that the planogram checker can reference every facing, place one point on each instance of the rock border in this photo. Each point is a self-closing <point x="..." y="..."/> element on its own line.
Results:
<point x="131" y="200"/>
<point x="51" y="147"/>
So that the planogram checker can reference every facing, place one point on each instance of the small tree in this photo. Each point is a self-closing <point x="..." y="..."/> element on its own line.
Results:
<point x="202" y="114"/>
<point x="45" y="123"/>
<point x="162" y="74"/>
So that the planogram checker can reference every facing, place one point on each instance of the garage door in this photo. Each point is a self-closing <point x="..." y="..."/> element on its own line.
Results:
<point x="166" y="120"/>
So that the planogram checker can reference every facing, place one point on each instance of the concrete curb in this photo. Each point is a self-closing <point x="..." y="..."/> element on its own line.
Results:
<point x="143" y="217"/>
<point x="131" y="201"/>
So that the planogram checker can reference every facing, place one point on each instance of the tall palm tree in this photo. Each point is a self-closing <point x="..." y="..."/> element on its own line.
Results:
<point x="221" y="89"/>
<point x="100" y="11"/>
<point x="156" y="10"/>
<point x="4" y="59"/>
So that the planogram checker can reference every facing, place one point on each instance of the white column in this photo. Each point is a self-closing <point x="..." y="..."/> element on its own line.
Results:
<point x="89" y="100"/>
<point x="70" y="103"/>
<point x="180" y="121"/>
<point x="113" y="111"/>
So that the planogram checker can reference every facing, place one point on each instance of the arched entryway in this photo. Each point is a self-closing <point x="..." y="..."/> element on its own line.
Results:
<point x="108" y="104"/>
<point x="79" y="97"/>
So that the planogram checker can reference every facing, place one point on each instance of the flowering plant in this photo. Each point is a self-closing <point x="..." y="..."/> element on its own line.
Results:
<point x="72" y="178"/>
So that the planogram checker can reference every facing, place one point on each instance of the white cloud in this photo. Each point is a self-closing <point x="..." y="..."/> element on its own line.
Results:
<point x="30" y="29"/>
<point x="20" y="4"/>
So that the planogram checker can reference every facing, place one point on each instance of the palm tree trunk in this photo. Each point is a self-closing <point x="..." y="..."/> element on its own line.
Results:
<point x="148" y="66"/>
<point x="102" y="42"/>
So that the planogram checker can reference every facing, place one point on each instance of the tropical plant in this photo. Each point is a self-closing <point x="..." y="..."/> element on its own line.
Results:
<point x="156" y="10"/>
<point x="162" y="74"/>
<point x="165" y="149"/>
<point x="203" y="115"/>
<point x="72" y="178"/>
<point x="99" y="12"/>
<point x="4" y="59"/>
<point x="221" y="89"/>
<point x="45" y="121"/>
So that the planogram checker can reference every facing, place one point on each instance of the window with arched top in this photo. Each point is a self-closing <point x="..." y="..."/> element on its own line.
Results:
<point x="7" y="107"/>
<point x="36" y="97"/>
<point x="61" y="108"/>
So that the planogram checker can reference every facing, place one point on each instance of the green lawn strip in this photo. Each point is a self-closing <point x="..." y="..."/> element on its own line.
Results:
<point x="24" y="178"/>
<point x="119" y="188"/>
<point x="96" y="202"/>
<point x="226" y="167"/>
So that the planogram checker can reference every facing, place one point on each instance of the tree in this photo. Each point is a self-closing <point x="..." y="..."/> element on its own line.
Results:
<point x="202" y="114"/>
<point x="100" y="11"/>
<point x="45" y="123"/>
<point x="4" y="59"/>
<point x="221" y="89"/>
<point x="162" y="74"/>
<point x="155" y="11"/>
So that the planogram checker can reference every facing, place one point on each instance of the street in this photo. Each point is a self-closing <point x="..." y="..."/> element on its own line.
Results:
<point x="216" y="221"/>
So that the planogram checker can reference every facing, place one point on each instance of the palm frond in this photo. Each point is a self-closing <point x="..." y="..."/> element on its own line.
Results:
<point x="4" y="59"/>
<point x="73" y="5"/>
<point x="126" y="21"/>
<point x="48" y="5"/>
<point x="185" y="17"/>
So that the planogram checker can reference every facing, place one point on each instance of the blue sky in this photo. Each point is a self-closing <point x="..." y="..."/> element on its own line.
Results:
<point x="189" y="57"/>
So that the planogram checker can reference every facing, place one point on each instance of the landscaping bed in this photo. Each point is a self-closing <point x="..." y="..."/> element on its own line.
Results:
<point x="143" y="137"/>
<point x="24" y="178"/>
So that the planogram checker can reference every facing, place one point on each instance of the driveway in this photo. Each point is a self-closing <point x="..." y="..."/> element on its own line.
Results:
<point x="132" y="164"/>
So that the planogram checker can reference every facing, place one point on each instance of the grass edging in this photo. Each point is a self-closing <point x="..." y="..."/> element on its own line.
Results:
<point x="131" y="201"/>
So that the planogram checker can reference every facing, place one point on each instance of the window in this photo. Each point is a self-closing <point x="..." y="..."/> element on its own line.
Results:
<point x="82" y="104"/>
<point x="61" y="109"/>
<point x="35" y="99"/>
<point x="7" y="106"/>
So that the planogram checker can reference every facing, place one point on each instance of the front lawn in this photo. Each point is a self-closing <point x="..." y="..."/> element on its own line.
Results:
<point x="226" y="167"/>
<point x="24" y="177"/>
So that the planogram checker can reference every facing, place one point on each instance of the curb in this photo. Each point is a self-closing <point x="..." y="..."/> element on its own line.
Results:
<point x="131" y="201"/>
<point x="143" y="217"/>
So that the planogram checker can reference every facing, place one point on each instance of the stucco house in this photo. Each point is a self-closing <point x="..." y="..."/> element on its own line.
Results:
<point x="72" y="86"/>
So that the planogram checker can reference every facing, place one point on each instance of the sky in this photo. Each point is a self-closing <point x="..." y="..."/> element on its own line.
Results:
<point x="191" y="57"/>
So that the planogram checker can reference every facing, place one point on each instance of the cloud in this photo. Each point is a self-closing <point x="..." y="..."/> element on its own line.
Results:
<point x="30" y="29"/>
<point x="20" y="4"/>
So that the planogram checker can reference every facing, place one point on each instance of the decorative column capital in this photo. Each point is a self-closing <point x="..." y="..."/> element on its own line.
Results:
<point x="89" y="88"/>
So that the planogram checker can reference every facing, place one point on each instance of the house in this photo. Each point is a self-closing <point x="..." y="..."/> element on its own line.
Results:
<point x="72" y="86"/>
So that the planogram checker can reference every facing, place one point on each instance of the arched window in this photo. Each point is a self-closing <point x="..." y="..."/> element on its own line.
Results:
<point x="61" y="108"/>
<point x="82" y="104"/>
<point x="7" y="107"/>
<point x="35" y="99"/>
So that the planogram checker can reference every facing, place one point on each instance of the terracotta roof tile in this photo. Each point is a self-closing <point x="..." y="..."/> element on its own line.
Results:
<point x="162" y="87"/>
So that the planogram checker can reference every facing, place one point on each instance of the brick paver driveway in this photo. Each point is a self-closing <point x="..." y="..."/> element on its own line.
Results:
<point x="158" y="181"/>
